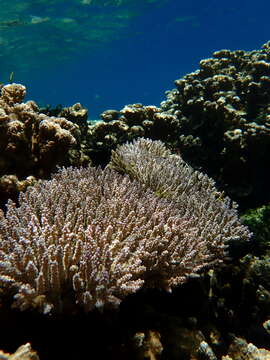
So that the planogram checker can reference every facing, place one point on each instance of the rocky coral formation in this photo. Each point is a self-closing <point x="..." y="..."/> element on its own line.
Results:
<point x="24" y="352"/>
<point x="258" y="221"/>
<point x="241" y="350"/>
<point x="147" y="345"/>
<point x="238" y="350"/>
<point x="78" y="115"/>
<point x="32" y="144"/>
<point x="224" y="114"/>
<point x="133" y="121"/>
<point x="218" y="118"/>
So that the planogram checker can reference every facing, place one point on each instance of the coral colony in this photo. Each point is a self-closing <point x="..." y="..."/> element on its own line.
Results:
<point x="89" y="231"/>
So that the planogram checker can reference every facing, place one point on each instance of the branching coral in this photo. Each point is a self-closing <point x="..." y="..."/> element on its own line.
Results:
<point x="92" y="236"/>
<point x="192" y="192"/>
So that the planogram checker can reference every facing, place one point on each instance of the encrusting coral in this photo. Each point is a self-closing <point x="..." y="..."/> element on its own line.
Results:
<point x="91" y="237"/>
<point x="31" y="144"/>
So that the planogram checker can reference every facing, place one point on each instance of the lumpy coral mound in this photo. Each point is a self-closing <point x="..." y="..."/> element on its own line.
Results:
<point x="91" y="237"/>
<point x="224" y="116"/>
<point x="31" y="143"/>
<point x="217" y="117"/>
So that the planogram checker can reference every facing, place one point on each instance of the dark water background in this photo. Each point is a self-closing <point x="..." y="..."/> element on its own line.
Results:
<point x="106" y="54"/>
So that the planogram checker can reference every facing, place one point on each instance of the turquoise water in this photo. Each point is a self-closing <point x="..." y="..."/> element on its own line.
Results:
<point x="106" y="54"/>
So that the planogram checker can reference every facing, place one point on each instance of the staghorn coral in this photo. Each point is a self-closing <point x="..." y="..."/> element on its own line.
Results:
<point x="223" y="114"/>
<point x="92" y="237"/>
<point x="193" y="192"/>
<point x="90" y="231"/>
<point x="31" y="143"/>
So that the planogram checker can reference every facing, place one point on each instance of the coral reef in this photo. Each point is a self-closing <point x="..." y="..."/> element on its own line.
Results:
<point x="238" y="304"/>
<point x="133" y="121"/>
<point x="217" y="118"/>
<point x="147" y="345"/>
<point x="238" y="350"/>
<point x="86" y="236"/>
<point x="168" y="176"/>
<point x="258" y="221"/>
<point x="24" y="352"/>
<point x="31" y="144"/>
<point x="78" y="115"/>
<point x="80" y="241"/>
<point x="223" y="110"/>
<point x="241" y="350"/>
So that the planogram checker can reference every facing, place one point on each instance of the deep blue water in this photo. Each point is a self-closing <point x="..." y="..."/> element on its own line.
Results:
<point x="139" y="61"/>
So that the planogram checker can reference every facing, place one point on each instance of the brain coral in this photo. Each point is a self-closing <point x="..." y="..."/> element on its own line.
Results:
<point x="224" y="115"/>
<point x="91" y="237"/>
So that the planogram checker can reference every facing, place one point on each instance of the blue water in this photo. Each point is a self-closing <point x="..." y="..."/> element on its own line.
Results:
<point x="145" y="47"/>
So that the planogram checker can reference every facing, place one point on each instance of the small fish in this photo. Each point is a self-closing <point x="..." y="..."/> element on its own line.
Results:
<point x="11" y="23"/>
<point x="11" y="77"/>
